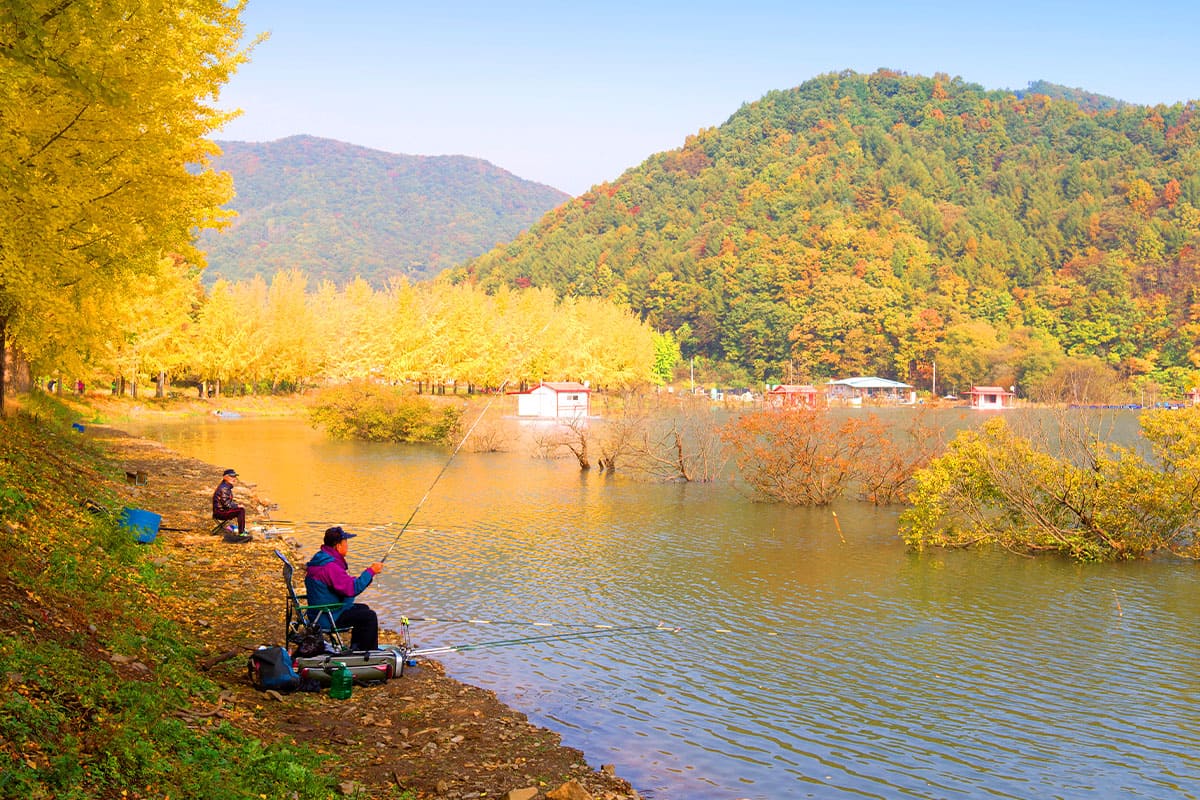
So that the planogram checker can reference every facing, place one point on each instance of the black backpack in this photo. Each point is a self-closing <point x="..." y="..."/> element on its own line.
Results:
<point x="271" y="668"/>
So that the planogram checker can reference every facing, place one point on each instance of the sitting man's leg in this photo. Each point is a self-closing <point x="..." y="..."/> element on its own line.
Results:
<point x="364" y="625"/>
<point x="238" y="513"/>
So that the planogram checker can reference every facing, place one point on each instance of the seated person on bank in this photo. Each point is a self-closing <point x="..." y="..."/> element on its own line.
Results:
<point x="225" y="507"/>
<point x="328" y="582"/>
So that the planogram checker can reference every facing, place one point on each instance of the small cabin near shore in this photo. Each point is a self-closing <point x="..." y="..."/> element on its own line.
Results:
<point x="1193" y="397"/>
<point x="991" y="397"/>
<point x="555" y="400"/>
<point x="869" y="389"/>
<point x="791" y="395"/>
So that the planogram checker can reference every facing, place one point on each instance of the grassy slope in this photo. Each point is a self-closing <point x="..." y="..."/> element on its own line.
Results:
<point x="93" y="676"/>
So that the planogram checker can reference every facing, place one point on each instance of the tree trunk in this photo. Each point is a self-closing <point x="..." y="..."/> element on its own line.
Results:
<point x="3" y="360"/>
<point x="160" y="390"/>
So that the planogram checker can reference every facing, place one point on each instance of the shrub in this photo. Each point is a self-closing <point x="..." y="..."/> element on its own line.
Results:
<point x="1090" y="499"/>
<point x="374" y="413"/>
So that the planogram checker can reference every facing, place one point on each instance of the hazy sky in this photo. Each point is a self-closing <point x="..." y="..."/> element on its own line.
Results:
<point x="571" y="94"/>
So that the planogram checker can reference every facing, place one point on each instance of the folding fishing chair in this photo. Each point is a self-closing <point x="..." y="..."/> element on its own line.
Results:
<point x="302" y="619"/>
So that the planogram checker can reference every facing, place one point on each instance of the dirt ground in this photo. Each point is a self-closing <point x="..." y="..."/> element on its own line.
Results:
<point x="423" y="731"/>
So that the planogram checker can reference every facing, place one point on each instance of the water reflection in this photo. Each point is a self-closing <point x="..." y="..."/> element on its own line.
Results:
<point x="803" y="667"/>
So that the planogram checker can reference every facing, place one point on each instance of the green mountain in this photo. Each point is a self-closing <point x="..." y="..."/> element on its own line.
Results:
<point x="337" y="211"/>
<point x="882" y="223"/>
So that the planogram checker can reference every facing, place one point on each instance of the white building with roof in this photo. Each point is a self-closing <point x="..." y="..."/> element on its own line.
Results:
<point x="992" y="397"/>
<point x="555" y="400"/>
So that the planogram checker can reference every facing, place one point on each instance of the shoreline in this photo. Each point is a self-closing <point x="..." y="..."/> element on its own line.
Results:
<point x="424" y="731"/>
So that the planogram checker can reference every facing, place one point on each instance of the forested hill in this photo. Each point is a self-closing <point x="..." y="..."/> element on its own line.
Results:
<point x="1088" y="101"/>
<point x="875" y="224"/>
<point x="335" y="211"/>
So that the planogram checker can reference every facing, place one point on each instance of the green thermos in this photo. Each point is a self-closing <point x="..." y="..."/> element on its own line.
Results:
<point x="340" y="681"/>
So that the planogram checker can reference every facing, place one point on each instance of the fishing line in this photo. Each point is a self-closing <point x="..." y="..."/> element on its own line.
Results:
<point x="447" y="620"/>
<point x="358" y="526"/>
<point x="445" y="466"/>
<point x="631" y="630"/>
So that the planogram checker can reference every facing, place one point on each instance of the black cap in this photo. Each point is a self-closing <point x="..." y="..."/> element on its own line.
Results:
<point x="232" y="472"/>
<point x="336" y="534"/>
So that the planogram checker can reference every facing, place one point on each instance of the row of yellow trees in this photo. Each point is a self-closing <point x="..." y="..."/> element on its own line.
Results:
<point x="284" y="334"/>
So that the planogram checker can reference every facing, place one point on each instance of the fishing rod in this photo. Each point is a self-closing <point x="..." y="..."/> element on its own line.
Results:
<point x="445" y="466"/>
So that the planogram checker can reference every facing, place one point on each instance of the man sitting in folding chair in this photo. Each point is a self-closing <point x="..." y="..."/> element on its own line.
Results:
<point x="327" y="582"/>
<point x="303" y="621"/>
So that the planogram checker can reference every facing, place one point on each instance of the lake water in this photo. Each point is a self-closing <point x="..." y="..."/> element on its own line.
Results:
<point x="803" y="665"/>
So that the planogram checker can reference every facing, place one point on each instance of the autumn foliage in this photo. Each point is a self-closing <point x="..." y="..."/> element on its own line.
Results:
<point x="812" y="457"/>
<point x="104" y="168"/>
<point x="1067" y="490"/>
<point x="374" y="413"/>
<point x="880" y="224"/>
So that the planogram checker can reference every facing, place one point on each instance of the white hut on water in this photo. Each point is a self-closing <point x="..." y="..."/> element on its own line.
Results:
<point x="992" y="397"/>
<point x="555" y="400"/>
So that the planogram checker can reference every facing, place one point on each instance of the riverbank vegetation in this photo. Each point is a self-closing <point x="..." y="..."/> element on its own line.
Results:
<point x="373" y="413"/>
<point x="1064" y="489"/>
<point x="95" y="679"/>
<point x="808" y="457"/>
<point x="660" y="438"/>
<point x="1052" y="481"/>
<point x="253" y="337"/>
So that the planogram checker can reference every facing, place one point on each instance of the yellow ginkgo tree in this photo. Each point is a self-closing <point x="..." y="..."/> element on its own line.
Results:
<point x="104" y="110"/>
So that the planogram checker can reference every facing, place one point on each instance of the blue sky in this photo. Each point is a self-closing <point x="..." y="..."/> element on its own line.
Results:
<point x="571" y="95"/>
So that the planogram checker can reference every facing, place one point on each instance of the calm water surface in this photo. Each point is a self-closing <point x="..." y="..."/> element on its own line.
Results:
<point x="804" y="665"/>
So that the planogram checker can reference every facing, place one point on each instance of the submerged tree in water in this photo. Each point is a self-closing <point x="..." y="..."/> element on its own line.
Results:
<point x="1090" y="499"/>
<point x="809" y="457"/>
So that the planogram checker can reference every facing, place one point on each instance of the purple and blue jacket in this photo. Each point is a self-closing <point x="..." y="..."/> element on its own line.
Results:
<point x="327" y="580"/>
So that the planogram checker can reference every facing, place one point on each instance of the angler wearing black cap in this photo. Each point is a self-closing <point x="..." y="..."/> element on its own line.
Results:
<point x="328" y="582"/>
<point x="225" y="507"/>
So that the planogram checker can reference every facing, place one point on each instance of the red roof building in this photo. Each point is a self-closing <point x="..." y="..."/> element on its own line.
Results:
<point x="789" y="395"/>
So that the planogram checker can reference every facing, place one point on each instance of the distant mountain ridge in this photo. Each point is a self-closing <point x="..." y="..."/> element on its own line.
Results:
<point x="336" y="211"/>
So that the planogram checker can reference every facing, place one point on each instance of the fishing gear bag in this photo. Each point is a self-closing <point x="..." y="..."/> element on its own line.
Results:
<point x="366" y="666"/>
<point x="310" y="643"/>
<point x="271" y="668"/>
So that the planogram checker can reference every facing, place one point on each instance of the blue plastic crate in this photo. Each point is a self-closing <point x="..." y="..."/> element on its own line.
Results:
<point x="144" y="524"/>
